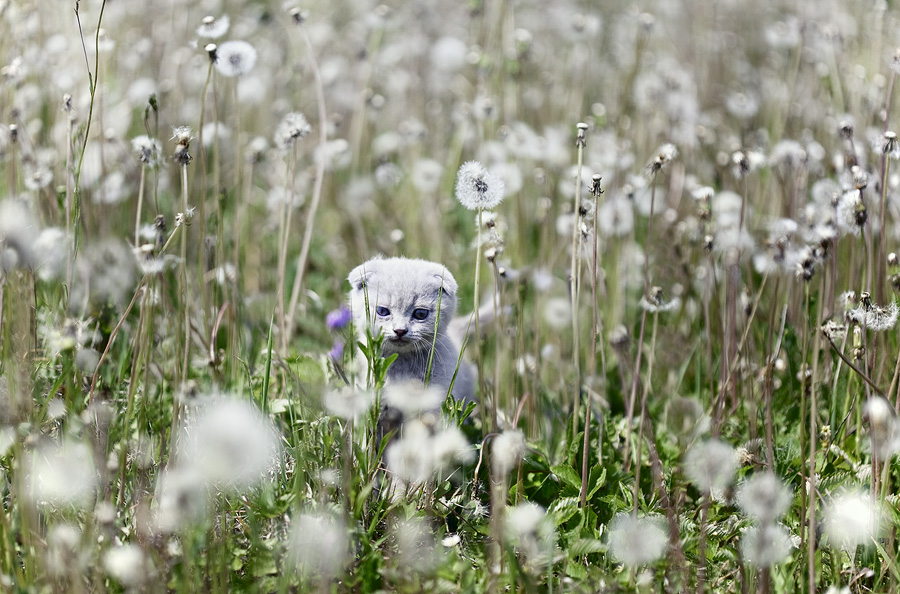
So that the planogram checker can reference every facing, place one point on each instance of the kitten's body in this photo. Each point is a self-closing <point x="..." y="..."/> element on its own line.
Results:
<point x="403" y="299"/>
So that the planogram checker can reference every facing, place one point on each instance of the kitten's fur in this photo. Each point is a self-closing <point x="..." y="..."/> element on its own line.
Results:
<point x="403" y="297"/>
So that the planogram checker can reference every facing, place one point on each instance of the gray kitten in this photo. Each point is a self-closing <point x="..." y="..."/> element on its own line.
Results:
<point x="406" y="297"/>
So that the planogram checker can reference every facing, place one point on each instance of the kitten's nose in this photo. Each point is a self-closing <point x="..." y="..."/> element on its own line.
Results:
<point x="400" y="331"/>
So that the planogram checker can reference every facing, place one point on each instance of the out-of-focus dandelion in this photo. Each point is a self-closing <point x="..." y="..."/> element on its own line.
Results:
<point x="62" y="475"/>
<point x="348" y="403"/>
<point x="318" y="545"/>
<point x="686" y="418"/>
<point x="235" y="58"/>
<point x="883" y="427"/>
<point x="766" y="545"/>
<point x="126" y="564"/>
<point x="852" y="519"/>
<point x="530" y="530"/>
<point x="292" y="128"/>
<point x="413" y="398"/>
<point x="710" y="465"/>
<point x="416" y="545"/>
<point x="764" y="497"/>
<point x="231" y="444"/>
<point x="213" y="27"/>
<point x="421" y="452"/>
<point x="182" y="498"/>
<point x="507" y="450"/>
<point x="637" y="541"/>
<point x="65" y="554"/>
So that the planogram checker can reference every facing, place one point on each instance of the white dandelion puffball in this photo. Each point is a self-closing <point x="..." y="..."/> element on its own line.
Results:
<point x="710" y="465"/>
<point x="231" y="444"/>
<point x="637" y="541"/>
<point x="235" y="58"/>
<point x="477" y="188"/>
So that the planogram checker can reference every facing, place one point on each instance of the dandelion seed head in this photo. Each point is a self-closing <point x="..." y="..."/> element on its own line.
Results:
<point x="531" y="531"/>
<point x="292" y="128"/>
<point x="764" y="497"/>
<point x="126" y="564"/>
<point x="710" y="465"/>
<point x="507" y="450"/>
<point x="319" y="544"/>
<point x="766" y="545"/>
<point x="348" y="402"/>
<point x="477" y="188"/>
<point x="686" y="418"/>
<point x="558" y="313"/>
<point x="615" y="217"/>
<point x="231" y="444"/>
<point x="148" y="150"/>
<point x="235" y="58"/>
<point x="883" y="427"/>
<point x="426" y="175"/>
<point x="62" y="475"/>
<point x="213" y="27"/>
<point x="874" y="317"/>
<point x="182" y="498"/>
<point x="852" y="519"/>
<point x="413" y="398"/>
<point x="637" y="541"/>
<point x="420" y="453"/>
<point x="416" y="545"/>
<point x="65" y="554"/>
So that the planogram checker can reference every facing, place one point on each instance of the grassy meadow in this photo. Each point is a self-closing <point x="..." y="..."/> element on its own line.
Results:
<point x="689" y="362"/>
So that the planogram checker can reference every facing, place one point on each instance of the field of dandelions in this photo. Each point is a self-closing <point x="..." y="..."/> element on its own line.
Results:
<point x="681" y="220"/>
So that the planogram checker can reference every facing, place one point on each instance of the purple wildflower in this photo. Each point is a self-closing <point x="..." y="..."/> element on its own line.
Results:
<point x="338" y="318"/>
<point x="337" y="351"/>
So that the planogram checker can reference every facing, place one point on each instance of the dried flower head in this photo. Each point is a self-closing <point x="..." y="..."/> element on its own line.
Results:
<point x="874" y="317"/>
<point x="182" y="135"/>
<point x="477" y="188"/>
<point x="149" y="150"/>
<point x="235" y="58"/>
<point x="664" y="156"/>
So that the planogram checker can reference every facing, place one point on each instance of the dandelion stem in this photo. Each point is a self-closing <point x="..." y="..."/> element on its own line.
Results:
<point x="317" y="184"/>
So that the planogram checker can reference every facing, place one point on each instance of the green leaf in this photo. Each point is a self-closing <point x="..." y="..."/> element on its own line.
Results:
<point x="568" y="476"/>
<point x="586" y="546"/>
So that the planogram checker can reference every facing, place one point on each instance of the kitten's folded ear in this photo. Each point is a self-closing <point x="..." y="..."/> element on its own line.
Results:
<point x="448" y="283"/>
<point x="361" y="275"/>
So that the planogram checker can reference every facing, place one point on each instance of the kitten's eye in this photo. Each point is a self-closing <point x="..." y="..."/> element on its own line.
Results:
<point x="420" y="314"/>
<point x="382" y="311"/>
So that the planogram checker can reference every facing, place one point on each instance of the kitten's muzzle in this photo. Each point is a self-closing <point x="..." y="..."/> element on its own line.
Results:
<point x="400" y="332"/>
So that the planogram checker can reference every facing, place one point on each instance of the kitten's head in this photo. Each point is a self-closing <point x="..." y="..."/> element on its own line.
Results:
<point x="405" y="298"/>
